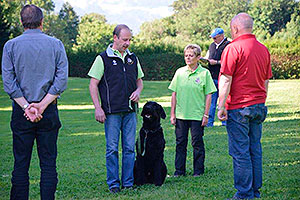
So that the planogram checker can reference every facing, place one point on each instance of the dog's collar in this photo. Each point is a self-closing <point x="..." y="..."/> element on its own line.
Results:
<point x="145" y="140"/>
<point x="151" y="131"/>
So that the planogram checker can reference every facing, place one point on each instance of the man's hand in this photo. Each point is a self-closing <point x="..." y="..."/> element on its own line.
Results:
<point x="39" y="106"/>
<point x="204" y="121"/>
<point x="100" y="115"/>
<point x="135" y="96"/>
<point x="173" y="120"/>
<point x="222" y="114"/>
<point x="32" y="114"/>
<point x="212" y="61"/>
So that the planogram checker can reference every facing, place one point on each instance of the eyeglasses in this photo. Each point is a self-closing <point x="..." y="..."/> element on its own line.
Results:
<point x="216" y="37"/>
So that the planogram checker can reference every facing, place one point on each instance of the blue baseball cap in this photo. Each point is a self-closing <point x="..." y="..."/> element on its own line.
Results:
<point x="217" y="31"/>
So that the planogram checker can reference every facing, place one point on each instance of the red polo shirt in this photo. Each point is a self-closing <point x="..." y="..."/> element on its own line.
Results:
<point x="248" y="62"/>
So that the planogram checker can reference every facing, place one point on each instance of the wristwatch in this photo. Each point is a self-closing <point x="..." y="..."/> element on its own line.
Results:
<point x="25" y="106"/>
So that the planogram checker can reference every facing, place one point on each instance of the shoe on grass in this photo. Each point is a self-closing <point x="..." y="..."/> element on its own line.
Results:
<point x="114" y="190"/>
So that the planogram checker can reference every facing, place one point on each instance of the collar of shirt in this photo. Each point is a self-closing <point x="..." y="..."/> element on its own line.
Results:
<point x="115" y="53"/>
<point x="217" y="45"/>
<point x="190" y="72"/>
<point x="245" y="36"/>
<point x="28" y="31"/>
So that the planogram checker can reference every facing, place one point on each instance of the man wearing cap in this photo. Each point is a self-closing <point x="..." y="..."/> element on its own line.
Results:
<point x="214" y="57"/>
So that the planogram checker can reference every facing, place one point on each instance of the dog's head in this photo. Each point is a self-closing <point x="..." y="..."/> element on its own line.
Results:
<point x="152" y="112"/>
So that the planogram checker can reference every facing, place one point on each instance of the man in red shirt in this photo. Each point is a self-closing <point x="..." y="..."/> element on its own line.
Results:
<point x="243" y="84"/>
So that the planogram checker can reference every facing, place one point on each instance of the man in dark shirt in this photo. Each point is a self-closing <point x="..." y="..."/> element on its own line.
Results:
<point x="214" y="57"/>
<point x="35" y="73"/>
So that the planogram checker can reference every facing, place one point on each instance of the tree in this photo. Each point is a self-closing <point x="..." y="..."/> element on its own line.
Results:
<point x="193" y="21"/>
<point x="4" y="30"/>
<point x="292" y="29"/>
<point x="12" y="12"/>
<point x="271" y="16"/>
<point x="158" y="29"/>
<point x="54" y="26"/>
<point x="183" y="5"/>
<point x="94" y="33"/>
<point x="69" y="21"/>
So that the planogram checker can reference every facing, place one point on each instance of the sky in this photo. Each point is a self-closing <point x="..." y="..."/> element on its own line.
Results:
<point x="130" y="12"/>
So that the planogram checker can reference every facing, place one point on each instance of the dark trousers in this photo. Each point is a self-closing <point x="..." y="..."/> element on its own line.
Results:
<point x="181" y="132"/>
<point x="45" y="133"/>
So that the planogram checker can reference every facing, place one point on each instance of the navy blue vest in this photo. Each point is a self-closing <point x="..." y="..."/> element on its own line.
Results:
<point x="117" y="83"/>
<point x="216" y="55"/>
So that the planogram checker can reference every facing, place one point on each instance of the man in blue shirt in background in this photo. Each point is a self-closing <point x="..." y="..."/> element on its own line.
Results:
<point x="35" y="73"/>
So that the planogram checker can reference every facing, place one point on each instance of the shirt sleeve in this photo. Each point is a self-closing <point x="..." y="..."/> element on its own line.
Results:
<point x="269" y="70"/>
<point x="10" y="83"/>
<point x="209" y="85"/>
<point x="140" y="71"/>
<point x="228" y="61"/>
<point x="173" y="84"/>
<point x="61" y="75"/>
<point x="97" y="69"/>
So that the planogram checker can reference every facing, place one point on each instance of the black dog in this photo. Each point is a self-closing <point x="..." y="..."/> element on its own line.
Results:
<point x="149" y="166"/>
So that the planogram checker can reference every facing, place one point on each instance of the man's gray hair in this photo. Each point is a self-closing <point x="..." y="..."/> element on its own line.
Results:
<point x="243" y="20"/>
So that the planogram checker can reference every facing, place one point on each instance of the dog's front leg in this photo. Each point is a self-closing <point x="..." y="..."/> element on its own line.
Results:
<point x="139" y="171"/>
<point x="157" y="175"/>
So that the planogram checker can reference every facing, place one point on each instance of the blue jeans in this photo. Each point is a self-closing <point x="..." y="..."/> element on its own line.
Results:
<point x="45" y="133"/>
<point x="212" y="110"/>
<point x="244" y="128"/>
<point x="114" y="124"/>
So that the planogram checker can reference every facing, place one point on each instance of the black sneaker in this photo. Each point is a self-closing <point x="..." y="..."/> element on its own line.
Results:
<point x="114" y="190"/>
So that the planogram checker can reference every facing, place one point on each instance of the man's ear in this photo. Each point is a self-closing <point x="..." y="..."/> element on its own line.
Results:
<point x="42" y="23"/>
<point x="235" y="29"/>
<point x="115" y="37"/>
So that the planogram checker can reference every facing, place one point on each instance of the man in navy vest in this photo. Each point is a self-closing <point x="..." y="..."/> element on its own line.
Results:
<point x="116" y="75"/>
<point x="214" y="57"/>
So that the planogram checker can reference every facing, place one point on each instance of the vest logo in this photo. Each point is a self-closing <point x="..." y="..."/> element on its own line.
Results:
<point x="114" y="62"/>
<point x="197" y="80"/>
<point x="129" y="61"/>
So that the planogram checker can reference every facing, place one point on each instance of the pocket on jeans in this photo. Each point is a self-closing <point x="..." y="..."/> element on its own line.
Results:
<point x="262" y="114"/>
<point x="243" y="115"/>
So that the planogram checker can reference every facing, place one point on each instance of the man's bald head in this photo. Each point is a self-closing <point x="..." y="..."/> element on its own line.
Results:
<point x="241" y="24"/>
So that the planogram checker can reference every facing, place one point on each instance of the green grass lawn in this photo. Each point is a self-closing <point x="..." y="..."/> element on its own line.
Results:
<point x="81" y="150"/>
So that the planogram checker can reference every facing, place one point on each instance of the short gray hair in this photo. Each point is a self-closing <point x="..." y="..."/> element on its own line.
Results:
<point x="243" y="20"/>
<point x="196" y="49"/>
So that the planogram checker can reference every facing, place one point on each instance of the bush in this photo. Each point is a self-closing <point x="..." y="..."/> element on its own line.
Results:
<point x="160" y="61"/>
<point x="285" y="57"/>
<point x="285" y="67"/>
<point x="160" y="66"/>
<point x="80" y="63"/>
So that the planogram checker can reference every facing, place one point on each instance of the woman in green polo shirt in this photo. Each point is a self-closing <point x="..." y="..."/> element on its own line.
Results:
<point x="192" y="86"/>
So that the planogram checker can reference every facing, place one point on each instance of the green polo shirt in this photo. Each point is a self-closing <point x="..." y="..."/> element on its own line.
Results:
<point x="97" y="69"/>
<point x="191" y="89"/>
